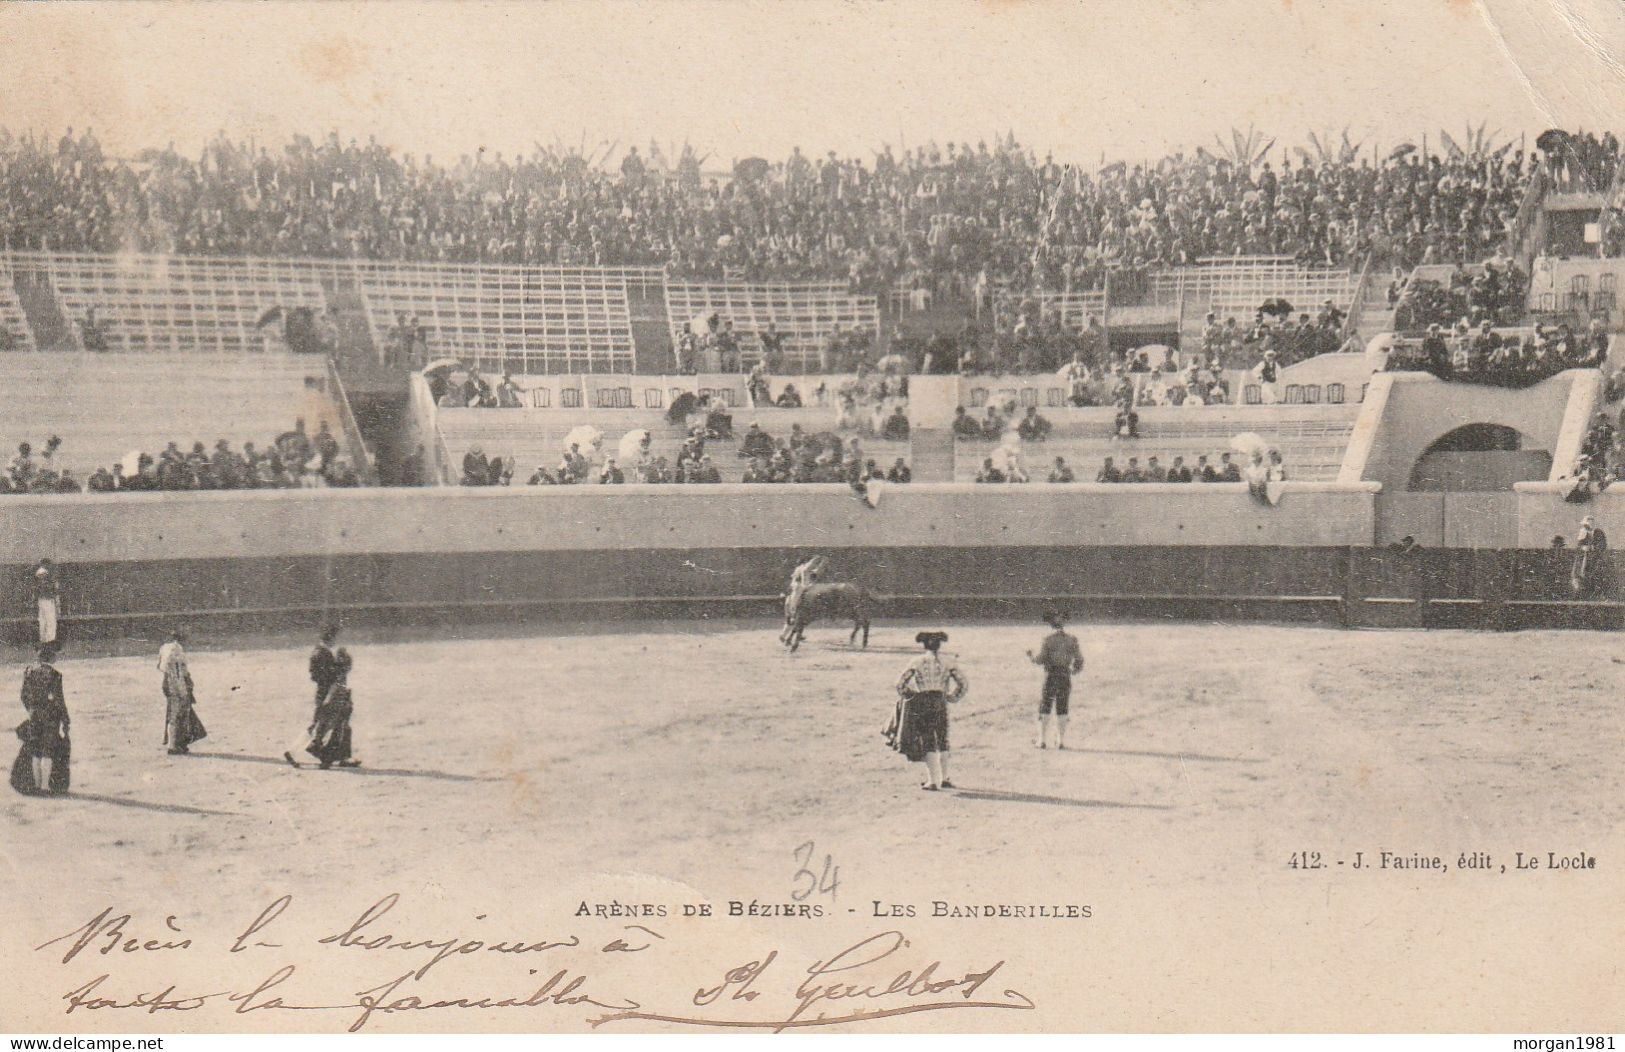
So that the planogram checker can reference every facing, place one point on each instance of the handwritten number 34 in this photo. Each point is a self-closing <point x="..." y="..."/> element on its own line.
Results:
<point x="810" y="883"/>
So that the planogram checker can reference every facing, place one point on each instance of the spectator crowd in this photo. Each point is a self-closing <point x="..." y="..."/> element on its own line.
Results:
<point x="1506" y="359"/>
<point x="798" y="457"/>
<point x="1495" y="292"/>
<point x="959" y="218"/>
<point x="294" y="459"/>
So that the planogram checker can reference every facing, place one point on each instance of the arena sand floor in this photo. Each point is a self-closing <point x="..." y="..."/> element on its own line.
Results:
<point x="554" y="765"/>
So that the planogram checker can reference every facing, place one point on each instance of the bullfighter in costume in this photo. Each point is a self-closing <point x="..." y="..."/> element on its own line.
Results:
<point x="181" y="724"/>
<point x="919" y="728"/>
<point x="1062" y="660"/>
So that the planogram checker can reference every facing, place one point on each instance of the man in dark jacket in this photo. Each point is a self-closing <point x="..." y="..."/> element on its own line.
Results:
<point x="42" y="764"/>
<point x="325" y="670"/>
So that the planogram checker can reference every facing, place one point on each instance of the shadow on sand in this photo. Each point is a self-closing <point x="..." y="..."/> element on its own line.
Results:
<point x="1002" y="796"/>
<point x="142" y="805"/>
<point x="308" y="764"/>
<point x="1166" y="755"/>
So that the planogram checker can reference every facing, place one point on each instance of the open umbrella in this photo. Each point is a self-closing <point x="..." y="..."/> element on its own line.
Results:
<point x="1249" y="442"/>
<point x="630" y="449"/>
<point x="586" y="436"/>
<point x="1551" y="140"/>
<point x="896" y="364"/>
<point x="441" y="365"/>
<point x="752" y="169"/>
<point x="1404" y="149"/>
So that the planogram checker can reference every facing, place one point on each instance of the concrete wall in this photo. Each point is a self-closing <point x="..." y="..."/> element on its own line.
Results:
<point x="227" y="525"/>
<point x="1544" y="514"/>
<point x="1420" y="409"/>
<point x="227" y="559"/>
<point x="1449" y="520"/>
<point x="573" y="551"/>
<point x="1490" y="471"/>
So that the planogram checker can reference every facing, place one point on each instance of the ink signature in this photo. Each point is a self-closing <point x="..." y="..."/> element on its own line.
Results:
<point x="881" y="976"/>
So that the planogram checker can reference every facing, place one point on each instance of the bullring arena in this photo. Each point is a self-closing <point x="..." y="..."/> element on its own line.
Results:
<point x="570" y="691"/>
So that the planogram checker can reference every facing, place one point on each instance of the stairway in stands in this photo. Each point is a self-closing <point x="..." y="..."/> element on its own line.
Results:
<point x="651" y="331"/>
<point x="1376" y="317"/>
<point x="41" y="307"/>
<point x="358" y="355"/>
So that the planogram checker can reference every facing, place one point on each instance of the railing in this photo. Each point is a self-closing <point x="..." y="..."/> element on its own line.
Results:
<point x="1362" y="289"/>
<point x="365" y="467"/>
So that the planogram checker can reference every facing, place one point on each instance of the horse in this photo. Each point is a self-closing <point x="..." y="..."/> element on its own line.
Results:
<point x="805" y="574"/>
<point x="829" y="601"/>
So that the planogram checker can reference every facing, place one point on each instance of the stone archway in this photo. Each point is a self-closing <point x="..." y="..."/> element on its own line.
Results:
<point x="1479" y="458"/>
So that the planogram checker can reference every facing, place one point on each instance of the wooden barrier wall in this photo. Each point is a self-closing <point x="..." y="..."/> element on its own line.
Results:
<point x="242" y="559"/>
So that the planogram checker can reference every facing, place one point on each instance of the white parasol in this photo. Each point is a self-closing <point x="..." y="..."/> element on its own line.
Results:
<point x="1249" y="442"/>
<point x="586" y="436"/>
<point x="630" y="449"/>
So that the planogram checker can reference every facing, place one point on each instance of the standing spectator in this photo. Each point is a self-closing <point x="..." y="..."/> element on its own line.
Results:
<point x="728" y="347"/>
<point x="1267" y="373"/>
<point x="326" y="669"/>
<point x="772" y="348"/>
<point x="42" y="763"/>
<point x="1591" y="550"/>
<point x="688" y="351"/>
<point x="330" y="735"/>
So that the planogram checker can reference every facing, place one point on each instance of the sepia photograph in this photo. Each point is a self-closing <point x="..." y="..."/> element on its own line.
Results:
<point x="939" y="517"/>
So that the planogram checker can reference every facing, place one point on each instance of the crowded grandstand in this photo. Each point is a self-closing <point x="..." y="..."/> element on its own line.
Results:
<point x="805" y="293"/>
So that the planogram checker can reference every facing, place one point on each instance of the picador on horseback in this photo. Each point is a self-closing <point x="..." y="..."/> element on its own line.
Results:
<point x="811" y="600"/>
